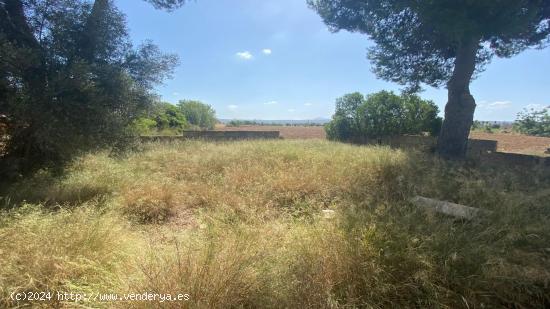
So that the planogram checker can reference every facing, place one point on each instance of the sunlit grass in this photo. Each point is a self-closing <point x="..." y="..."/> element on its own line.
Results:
<point x="241" y="225"/>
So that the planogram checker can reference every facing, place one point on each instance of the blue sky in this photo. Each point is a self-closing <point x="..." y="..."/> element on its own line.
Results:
<point x="275" y="59"/>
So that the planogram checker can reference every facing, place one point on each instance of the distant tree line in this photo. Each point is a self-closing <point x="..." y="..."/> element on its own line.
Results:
<point x="381" y="114"/>
<point x="167" y="119"/>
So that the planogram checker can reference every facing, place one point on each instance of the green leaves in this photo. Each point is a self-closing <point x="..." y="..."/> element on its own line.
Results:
<point x="382" y="114"/>
<point x="70" y="79"/>
<point x="417" y="41"/>
<point x="534" y="122"/>
<point x="199" y="115"/>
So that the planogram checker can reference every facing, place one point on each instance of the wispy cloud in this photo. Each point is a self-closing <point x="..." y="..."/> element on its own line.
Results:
<point x="271" y="103"/>
<point x="232" y="107"/>
<point x="291" y="110"/>
<point x="175" y="94"/>
<point x="499" y="105"/>
<point x="266" y="51"/>
<point x="308" y="104"/>
<point x="245" y="55"/>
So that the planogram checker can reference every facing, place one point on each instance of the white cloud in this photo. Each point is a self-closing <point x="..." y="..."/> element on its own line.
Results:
<point x="271" y="103"/>
<point x="291" y="110"/>
<point x="175" y="94"/>
<point x="245" y="55"/>
<point x="266" y="51"/>
<point x="232" y="107"/>
<point x="308" y="104"/>
<point x="499" y="105"/>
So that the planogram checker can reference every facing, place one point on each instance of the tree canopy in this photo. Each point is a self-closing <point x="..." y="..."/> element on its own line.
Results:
<point x="200" y="116"/>
<point x="70" y="80"/>
<point x="381" y="114"/>
<point x="441" y="43"/>
<point x="534" y="122"/>
<point x="163" y="118"/>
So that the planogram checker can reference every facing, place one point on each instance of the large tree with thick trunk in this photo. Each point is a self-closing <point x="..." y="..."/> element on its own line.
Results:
<point x="441" y="43"/>
<point x="70" y="80"/>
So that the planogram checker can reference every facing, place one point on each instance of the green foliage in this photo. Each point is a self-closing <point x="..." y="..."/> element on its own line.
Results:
<point x="144" y="126"/>
<point x="164" y="118"/>
<point x="168" y="119"/>
<point x="382" y="114"/>
<point x="70" y="80"/>
<point x="417" y="41"/>
<point x="199" y="115"/>
<point x="441" y="43"/>
<point x="534" y="122"/>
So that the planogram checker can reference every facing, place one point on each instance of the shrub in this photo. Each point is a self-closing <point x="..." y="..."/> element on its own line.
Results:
<point x="382" y="114"/>
<point x="198" y="114"/>
<point x="163" y="118"/>
<point x="534" y="122"/>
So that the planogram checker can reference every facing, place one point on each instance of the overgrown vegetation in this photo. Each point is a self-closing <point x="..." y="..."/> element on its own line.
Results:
<point x="382" y="114"/>
<point x="241" y="225"/>
<point x="534" y="122"/>
<point x="70" y="80"/>
<point x="163" y="119"/>
<point x="168" y="119"/>
<point x="201" y="116"/>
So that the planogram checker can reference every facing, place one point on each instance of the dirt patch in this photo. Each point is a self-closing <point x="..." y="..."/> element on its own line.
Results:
<point x="516" y="143"/>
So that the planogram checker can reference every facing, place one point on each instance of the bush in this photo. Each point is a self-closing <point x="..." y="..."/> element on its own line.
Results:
<point x="200" y="115"/>
<point x="382" y="114"/>
<point x="534" y="122"/>
<point x="163" y="118"/>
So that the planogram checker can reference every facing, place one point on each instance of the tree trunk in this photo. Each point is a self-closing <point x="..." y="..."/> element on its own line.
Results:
<point x="459" y="111"/>
<point x="30" y="65"/>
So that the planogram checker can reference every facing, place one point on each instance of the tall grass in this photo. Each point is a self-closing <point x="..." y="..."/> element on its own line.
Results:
<point x="241" y="225"/>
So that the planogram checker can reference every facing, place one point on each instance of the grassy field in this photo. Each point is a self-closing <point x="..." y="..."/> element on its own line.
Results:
<point x="242" y="225"/>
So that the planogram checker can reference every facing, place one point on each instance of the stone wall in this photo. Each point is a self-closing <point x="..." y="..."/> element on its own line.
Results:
<point x="231" y="135"/>
<point x="483" y="151"/>
<point x="476" y="147"/>
<point x="214" y="136"/>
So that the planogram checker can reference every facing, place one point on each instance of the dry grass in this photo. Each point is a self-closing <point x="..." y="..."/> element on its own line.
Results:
<point x="240" y="225"/>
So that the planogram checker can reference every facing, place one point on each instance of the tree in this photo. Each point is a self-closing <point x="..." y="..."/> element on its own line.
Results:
<point x="382" y="114"/>
<point x="70" y="81"/>
<point x="534" y="122"/>
<point x="198" y="114"/>
<point x="444" y="42"/>
<point x="163" y="118"/>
